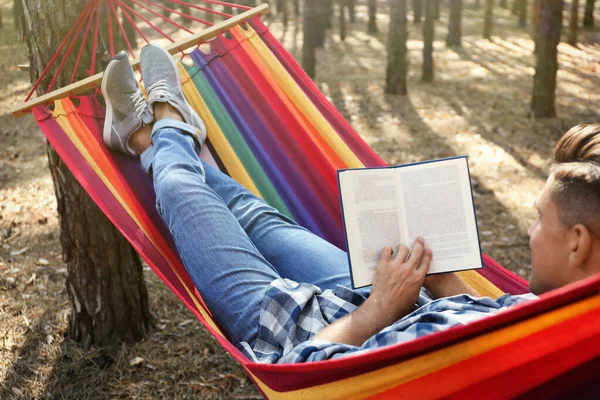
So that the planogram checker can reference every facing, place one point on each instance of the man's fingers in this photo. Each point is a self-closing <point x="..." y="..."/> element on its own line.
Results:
<point x="416" y="253"/>
<point x="403" y="252"/>
<point x="386" y="254"/>
<point x="425" y="262"/>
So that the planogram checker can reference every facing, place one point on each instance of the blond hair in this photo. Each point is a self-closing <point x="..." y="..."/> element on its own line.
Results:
<point x="576" y="172"/>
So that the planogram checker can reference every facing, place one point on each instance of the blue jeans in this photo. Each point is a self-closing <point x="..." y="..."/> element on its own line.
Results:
<point x="231" y="242"/>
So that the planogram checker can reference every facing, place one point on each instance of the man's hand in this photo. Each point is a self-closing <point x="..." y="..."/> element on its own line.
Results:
<point x="397" y="281"/>
<point x="395" y="290"/>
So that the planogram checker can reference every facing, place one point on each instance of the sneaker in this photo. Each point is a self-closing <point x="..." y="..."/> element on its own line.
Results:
<point x="125" y="104"/>
<point x="163" y="84"/>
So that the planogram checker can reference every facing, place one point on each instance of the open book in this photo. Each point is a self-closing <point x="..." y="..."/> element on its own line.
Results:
<point x="388" y="206"/>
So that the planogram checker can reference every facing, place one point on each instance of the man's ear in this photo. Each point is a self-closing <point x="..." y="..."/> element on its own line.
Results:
<point x="580" y="246"/>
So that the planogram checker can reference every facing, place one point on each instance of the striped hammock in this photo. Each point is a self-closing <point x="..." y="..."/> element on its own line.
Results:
<point x="273" y="131"/>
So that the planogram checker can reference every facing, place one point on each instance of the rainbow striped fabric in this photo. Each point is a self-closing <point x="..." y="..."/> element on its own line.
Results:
<point x="273" y="131"/>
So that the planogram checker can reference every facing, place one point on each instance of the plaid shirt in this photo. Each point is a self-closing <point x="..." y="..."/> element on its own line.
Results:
<point x="293" y="313"/>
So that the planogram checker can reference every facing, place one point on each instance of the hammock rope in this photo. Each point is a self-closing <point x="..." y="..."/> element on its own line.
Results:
<point x="93" y="9"/>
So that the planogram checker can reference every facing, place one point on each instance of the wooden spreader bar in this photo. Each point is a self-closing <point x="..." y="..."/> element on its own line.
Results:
<point x="181" y="45"/>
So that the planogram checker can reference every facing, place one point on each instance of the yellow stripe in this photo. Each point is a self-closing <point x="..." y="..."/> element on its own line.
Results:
<point x="482" y="285"/>
<point x="223" y="148"/>
<point x="386" y="378"/>
<point x="299" y="98"/>
<point x="59" y="114"/>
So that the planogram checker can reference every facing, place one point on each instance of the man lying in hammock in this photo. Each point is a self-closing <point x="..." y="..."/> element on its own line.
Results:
<point x="280" y="292"/>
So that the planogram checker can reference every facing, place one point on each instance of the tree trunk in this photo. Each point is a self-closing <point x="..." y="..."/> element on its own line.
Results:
<point x="296" y="8"/>
<point x="573" y="23"/>
<point x="436" y="8"/>
<point x="488" y="20"/>
<point x="342" y="5"/>
<point x="503" y="4"/>
<point x="397" y="63"/>
<point x="548" y="37"/>
<point x="209" y="16"/>
<point x="282" y="8"/>
<point x="352" y="10"/>
<point x="522" y="10"/>
<point x="310" y="32"/>
<point x="372" y="27"/>
<point x="455" y="24"/>
<point x="588" y="19"/>
<point x="417" y="6"/>
<point x="109" y="301"/>
<point x="323" y="11"/>
<point x="514" y="8"/>
<point x="428" y="37"/>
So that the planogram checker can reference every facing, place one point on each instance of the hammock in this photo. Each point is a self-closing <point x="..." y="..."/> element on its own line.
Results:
<point x="272" y="130"/>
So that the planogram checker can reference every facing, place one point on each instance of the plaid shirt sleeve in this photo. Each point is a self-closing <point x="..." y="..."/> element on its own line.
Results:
<point x="293" y="313"/>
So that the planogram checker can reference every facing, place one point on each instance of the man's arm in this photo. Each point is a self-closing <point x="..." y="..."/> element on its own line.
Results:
<point x="446" y="285"/>
<point x="395" y="290"/>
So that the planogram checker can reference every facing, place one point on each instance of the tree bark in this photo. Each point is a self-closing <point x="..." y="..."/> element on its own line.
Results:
<point x="282" y="8"/>
<point x="428" y="38"/>
<point x="588" y="19"/>
<point x="548" y="37"/>
<point x="488" y="20"/>
<point x="352" y="11"/>
<point x="342" y="5"/>
<point x="324" y="14"/>
<point x="209" y="16"/>
<point x="109" y="301"/>
<point x="522" y="11"/>
<point x="372" y="27"/>
<point x="397" y="63"/>
<point x="296" y="8"/>
<point x="417" y="6"/>
<point x="436" y="7"/>
<point x="310" y="33"/>
<point x="573" y="23"/>
<point x="455" y="24"/>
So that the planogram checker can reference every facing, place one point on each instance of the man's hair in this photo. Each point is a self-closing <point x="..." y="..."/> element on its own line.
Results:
<point x="576" y="171"/>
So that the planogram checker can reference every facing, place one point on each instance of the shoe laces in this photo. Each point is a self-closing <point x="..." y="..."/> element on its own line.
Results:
<point x="139" y="102"/>
<point x="159" y="89"/>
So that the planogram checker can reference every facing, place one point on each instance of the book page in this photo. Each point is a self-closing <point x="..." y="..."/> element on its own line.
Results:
<point x="438" y="206"/>
<point x="371" y="214"/>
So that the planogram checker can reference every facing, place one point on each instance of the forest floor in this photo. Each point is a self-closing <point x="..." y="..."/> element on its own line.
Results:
<point x="477" y="105"/>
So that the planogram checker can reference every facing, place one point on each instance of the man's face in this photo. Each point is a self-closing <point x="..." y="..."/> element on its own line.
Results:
<point x="549" y="250"/>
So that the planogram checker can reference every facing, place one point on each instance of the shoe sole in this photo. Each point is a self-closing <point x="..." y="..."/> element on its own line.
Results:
<point x="176" y="68"/>
<point x="109" y="110"/>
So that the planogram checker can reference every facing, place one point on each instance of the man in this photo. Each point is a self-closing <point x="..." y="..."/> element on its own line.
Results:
<point x="280" y="292"/>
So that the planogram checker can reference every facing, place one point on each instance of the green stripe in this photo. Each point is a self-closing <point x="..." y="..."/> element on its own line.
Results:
<point x="237" y="142"/>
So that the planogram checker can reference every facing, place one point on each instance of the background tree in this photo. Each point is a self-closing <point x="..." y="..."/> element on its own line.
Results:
<point x="588" y="19"/>
<point x="546" y="66"/>
<point x="372" y="25"/>
<point x="351" y="10"/>
<point x="417" y="7"/>
<point x="342" y="7"/>
<point x="455" y="23"/>
<point x="296" y="8"/>
<point x="208" y="15"/>
<point x="436" y="7"/>
<point x="522" y="12"/>
<point x="397" y="62"/>
<point x="428" y="38"/>
<point x="282" y="8"/>
<point x="488" y="20"/>
<point x="311" y="36"/>
<point x="109" y="301"/>
<point x="573" y="23"/>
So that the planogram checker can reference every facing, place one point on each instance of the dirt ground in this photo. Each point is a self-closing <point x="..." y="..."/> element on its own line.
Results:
<point x="477" y="105"/>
